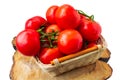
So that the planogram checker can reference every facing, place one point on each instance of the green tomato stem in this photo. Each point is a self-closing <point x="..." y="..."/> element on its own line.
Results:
<point x="83" y="13"/>
<point x="47" y="37"/>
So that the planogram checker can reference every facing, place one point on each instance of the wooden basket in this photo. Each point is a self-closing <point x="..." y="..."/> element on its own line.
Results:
<point x="79" y="59"/>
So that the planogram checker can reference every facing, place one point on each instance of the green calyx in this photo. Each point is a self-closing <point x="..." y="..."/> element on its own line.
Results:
<point x="49" y="38"/>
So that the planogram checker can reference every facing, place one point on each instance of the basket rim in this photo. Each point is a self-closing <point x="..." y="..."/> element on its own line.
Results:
<point x="102" y="46"/>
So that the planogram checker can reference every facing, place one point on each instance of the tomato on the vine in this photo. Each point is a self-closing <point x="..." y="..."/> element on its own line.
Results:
<point x="48" y="54"/>
<point x="69" y="41"/>
<point x="67" y="17"/>
<point x="52" y="28"/>
<point x="35" y="22"/>
<point x="28" y="43"/>
<point x="90" y="30"/>
<point x="50" y="14"/>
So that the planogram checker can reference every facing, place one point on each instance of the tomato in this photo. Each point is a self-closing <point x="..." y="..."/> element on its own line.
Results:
<point x="35" y="22"/>
<point x="90" y="30"/>
<point x="67" y="17"/>
<point x="28" y="43"/>
<point x="48" y="54"/>
<point x="87" y="44"/>
<point x="69" y="41"/>
<point x="84" y="45"/>
<point x="83" y="18"/>
<point x="50" y="14"/>
<point x="52" y="28"/>
<point x="91" y="44"/>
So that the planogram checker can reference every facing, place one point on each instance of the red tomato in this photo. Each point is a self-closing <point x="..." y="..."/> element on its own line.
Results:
<point x="48" y="54"/>
<point x="52" y="27"/>
<point x="67" y="17"/>
<point x="84" y="45"/>
<point x="91" y="44"/>
<point x="50" y="14"/>
<point x="69" y="41"/>
<point x="90" y="30"/>
<point x="28" y="43"/>
<point x="35" y="22"/>
<point x="82" y="18"/>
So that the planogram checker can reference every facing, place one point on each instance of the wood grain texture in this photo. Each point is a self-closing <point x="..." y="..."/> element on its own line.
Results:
<point x="105" y="56"/>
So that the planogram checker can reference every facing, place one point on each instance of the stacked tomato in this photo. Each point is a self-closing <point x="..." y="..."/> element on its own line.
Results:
<point x="64" y="31"/>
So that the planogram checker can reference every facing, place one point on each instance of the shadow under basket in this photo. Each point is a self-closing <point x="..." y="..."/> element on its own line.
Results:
<point x="79" y="59"/>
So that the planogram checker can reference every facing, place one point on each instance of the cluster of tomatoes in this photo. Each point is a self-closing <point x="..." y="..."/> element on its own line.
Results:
<point x="64" y="31"/>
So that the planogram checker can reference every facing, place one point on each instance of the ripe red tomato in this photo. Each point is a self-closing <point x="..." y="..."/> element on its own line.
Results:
<point x="53" y="32"/>
<point x="82" y="18"/>
<point x="28" y="43"/>
<point x="91" y="44"/>
<point x="52" y="27"/>
<point x="90" y="30"/>
<point x="35" y="22"/>
<point x="48" y="54"/>
<point x="50" y="14"/>
<point x="67" y="17"/>
<point x="69" y="41"/>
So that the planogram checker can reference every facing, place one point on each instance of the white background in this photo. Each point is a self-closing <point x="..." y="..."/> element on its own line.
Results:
<point x="14" y="13"/>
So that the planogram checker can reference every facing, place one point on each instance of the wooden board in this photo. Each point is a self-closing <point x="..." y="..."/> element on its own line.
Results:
<point x="25" y="68"/>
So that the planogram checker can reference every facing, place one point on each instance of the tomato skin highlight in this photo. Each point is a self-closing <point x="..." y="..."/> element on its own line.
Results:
<point x="50" y="14"/>
<point x="48" y="54"/>
<point x="67" y="17"/>
<point x="35" y="22"/>
<point x="90" y="30"/>
<point x="28" y="43"/>
<point x="69" y="41"/>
